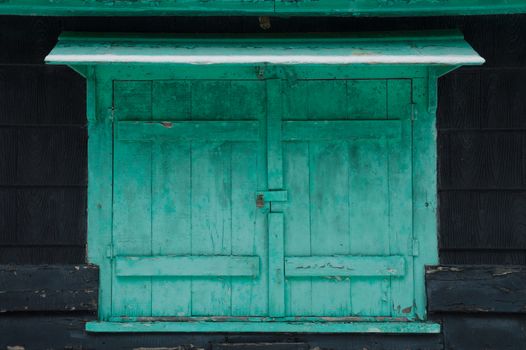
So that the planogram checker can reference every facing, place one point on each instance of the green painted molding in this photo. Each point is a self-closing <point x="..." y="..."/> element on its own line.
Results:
<point x="275" y="326"/>
<point x="261" y="7"/>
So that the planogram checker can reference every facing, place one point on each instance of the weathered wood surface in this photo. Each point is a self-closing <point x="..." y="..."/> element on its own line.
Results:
<point x="505" y="332"/>
<point x="305" y="7"/>
<point x="48" y="288"/>
<point x="476" y="289"/>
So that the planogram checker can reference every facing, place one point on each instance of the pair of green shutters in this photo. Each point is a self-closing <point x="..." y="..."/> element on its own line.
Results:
<point x="276" y="199"/>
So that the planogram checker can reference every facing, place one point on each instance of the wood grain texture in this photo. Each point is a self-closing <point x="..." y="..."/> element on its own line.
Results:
<point x="502" y="332"/>
<point x="489" y="220"/>
<point x="48" y="288"/>
<point x="476" y="289"/>
<point x="42" y="216"/>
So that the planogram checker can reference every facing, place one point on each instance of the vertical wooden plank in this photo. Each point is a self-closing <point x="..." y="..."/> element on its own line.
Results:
<point x="100" y="179"/>
<point x="249" y="224"/>
<point x="171" y="228"/>
<point x="275" y="182"/>
<point x="132" y="199"/>
<point x="400" y="196"/>
<point x="424" y="188"/>
<point x="171" y="100"/>
<point x="211" y="197"/>
<point x="329" y="208"/>
<point x="171" y="200"/>
<point x="211" y="223"/>
<point x="274" y="147"/>
<point x="297" y="225"/>
<point x="367" y="99"/>
<point x="276" y="265"/>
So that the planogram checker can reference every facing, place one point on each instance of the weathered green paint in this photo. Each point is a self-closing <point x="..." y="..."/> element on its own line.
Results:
<point x="263" y="198"/>
<point x="319" y="266"/>
<point x="166" y="265"/>
<point x="260" y="7"/>
<point x="240" y="326"/>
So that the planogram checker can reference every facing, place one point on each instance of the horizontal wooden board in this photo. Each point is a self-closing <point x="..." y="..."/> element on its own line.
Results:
<point x="305" y="7"/>
<point x="48" y="287"/>
<point x="489" y="220"/>
<point x="339" y="130"/>
<point x="480" y="160"/>
<point x="63" y="331"/>
<point x="505" y="332"/>
<point x="302" y="266"/>
<point x="43" y="156"/>
<point x="51" y="95"/>
<point x="52" y="254"/>
<point x="483" y="256"/>
<point x="188" y="131"/>
<point x="267" y="327"/>
<point x="187" y="266"/>
<point x="476" y="289"/>
<point x="42" y="216"/>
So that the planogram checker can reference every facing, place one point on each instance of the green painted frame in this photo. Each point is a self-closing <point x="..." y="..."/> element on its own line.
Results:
<point x="100" y="78"/>
<point x="100" y="126"/>
<point x="261" y="7"/>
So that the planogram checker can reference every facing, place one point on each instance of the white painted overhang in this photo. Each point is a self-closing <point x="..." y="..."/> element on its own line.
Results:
<point x="420" y="48"/>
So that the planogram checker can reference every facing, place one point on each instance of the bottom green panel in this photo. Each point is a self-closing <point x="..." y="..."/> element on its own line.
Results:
<point x="300" y="327"/>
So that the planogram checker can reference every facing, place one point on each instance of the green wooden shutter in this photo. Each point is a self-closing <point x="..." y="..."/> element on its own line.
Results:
<point x="199" y="164"/>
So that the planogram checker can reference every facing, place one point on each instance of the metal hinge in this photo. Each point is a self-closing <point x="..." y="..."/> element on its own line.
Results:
<point x="109" y="251"/>
<point x="413" y="115"/>
<point x="415" y="249"/>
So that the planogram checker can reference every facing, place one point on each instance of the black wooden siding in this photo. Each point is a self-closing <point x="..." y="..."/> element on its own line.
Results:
<point x="482" y="191"/>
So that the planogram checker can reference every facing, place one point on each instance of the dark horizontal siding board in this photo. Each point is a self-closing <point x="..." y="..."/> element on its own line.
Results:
<point x="476" y="289"/>
<point x="482" y="160"/>
<point x="67" y="332"/>
<point x="482" y="98"/>
<point x="50" y="254"/>
<point x="48" y="288"/>
<point x="43" y="216"/>
<point x="482" y="220"/>
<point x="505" y="332"/>
<point x="36" y="156"/>
<point x="483" y="257"/>
<point x="41" y="95"/>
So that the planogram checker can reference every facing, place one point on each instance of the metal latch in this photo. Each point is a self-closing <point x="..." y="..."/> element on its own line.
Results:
<point x="265" y="198"/>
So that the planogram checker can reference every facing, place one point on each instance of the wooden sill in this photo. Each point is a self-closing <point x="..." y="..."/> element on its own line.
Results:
<point x="265" y="327"/>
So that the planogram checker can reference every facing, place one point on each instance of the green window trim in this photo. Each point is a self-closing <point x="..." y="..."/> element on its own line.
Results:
<point x="267" y="327"/>
<point x="137" y="132"/>
<point x="262" y="7"/>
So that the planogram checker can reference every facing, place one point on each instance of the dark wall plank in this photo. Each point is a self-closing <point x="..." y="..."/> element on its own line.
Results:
<point x="474" y="160"/>
<point x="51" y="254"/>
<point x="48" y="288"/>
<point x="41" y="95"/>
<point x="67" y="332"/>
<point x="42" y="216"/>
<point x="482" y="220"/>
<point x="476" y="289"/>
<point x="43" y="156"/>
<point x="483" y="332"/>
<point x="483" y="257"/>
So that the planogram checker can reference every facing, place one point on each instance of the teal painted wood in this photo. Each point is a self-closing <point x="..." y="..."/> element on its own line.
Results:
<point x="322" y="7"/>
<point x="332" y="266"/>
<point x="100" y="179"/>
<point x="303" y="327"/>
<point x="208" y="266"/>
<point x="194" y="196"/>
<point x="339" y="130"/>
<point x="187" y="131"/>
<point x="432" y="48"/>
